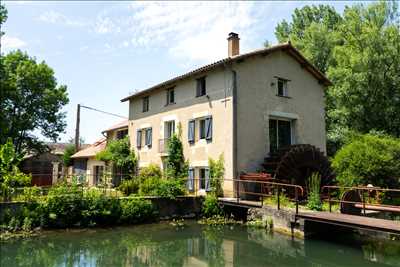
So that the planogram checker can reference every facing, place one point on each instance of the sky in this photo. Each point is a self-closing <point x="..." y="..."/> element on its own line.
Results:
<point x="104" y="51"/>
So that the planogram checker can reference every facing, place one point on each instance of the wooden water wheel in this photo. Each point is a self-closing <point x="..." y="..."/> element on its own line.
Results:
<point x="350" y="208"/>
<point x="295" y="163"/>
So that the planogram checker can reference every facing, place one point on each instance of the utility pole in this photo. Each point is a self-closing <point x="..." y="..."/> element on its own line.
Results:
<point x="78" y="118"/>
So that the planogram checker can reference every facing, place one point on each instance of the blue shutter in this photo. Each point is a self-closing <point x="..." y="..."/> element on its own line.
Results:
<point x="207" y="177"/>
<point x="149" y="137"/>
<point x="191" y="180"/>
<point x="209" y="128"/>
<point x="191" y="131"/>
<point x="139" y="138"/>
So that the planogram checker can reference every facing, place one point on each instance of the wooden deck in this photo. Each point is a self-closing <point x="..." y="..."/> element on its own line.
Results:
<point x="352" y="221"/>
<point x="239" y="203"/>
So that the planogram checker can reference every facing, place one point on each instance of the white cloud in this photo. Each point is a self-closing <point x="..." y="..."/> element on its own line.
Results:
<point x="195" y="30"/>
<point x="53" y="17"/>
<point x="9" y="42"/>
<point x="105" y="25"/>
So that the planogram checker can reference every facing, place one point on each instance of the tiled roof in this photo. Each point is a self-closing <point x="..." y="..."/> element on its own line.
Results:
<point x="287" y="47"/>
<point x="120" y="125"/>
<point x="92" y="150"/>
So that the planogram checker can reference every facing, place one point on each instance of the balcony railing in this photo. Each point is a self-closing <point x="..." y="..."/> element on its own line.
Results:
<point x="163" y="145"/>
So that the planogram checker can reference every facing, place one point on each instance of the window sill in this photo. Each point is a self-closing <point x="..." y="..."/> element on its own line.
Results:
<point x="170" y="104"/>
<point x="283" y="96"/>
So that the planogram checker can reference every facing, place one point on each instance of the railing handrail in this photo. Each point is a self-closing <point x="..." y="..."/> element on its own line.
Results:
<point x="375" y="188"/>
<point x="269" y="183"/>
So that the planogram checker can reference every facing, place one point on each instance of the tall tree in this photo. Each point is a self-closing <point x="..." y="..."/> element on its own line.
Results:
<point x="313" y="30"/>
<point x="30" y="100"/>
<point x="366" y="77"/>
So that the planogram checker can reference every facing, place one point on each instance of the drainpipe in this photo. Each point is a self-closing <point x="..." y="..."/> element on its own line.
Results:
<point x="234" y="124"/>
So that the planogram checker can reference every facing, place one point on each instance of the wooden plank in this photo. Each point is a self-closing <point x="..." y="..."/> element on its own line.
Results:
<point x="353" y="221"/>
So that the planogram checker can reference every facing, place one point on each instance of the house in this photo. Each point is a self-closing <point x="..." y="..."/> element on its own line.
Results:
<point x="45" y="167"/>
<point x="91" y="170"/>
<point x="244" y="107"/>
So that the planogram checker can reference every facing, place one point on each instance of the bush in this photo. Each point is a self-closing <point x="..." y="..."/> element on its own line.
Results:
<point x="149" y="186"/>
<point x="217" y="171"/>
<point x="169" y="188"/>
<point x="130" y="186"/>
<point x="136" y="210"/>
<point x="152" y="170"/>
<point x="369" y="159"/>
<point x="211" y="207"/>
<point x="68" y="152"/>
<point x="314" y="189"/>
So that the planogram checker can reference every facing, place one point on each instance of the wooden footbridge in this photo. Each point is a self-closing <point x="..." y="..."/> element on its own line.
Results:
<point x="358" y="208"/>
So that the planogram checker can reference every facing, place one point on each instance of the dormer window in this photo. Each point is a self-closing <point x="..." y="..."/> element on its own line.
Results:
<point x="170" y="96"/>
<point x="282" y="86"/>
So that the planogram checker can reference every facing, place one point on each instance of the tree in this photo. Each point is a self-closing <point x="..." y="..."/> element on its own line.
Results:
<point x="30" y="100"/>
<point x="119" y="153"/>
<point x="176" y="166"/>
<point x="360" y="53"/>
<point x="68" y="152"/>
<point x="3" y="16"/>
<point x="313" y="31"/>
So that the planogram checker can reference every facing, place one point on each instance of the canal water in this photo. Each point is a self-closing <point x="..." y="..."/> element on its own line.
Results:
<point x="192" y="245"/>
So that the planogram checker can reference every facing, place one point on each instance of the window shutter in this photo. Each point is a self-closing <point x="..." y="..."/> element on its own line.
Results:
<point x="191" y="131"/>
<point x="149" y="137"/>
<point x="139" y="138"/>
<point x="198" y="87"/>
<point x="191" y="180"/>
<point x="209" y="128"/>
<point x="207" y="177"/>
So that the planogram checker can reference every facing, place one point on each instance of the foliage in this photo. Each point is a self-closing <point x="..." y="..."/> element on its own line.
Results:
<point x="68" y="152"/>
<point x="176" y="165"/>
<point x="153" y="170"/>
<point x="119" y="153"/>
<point x="31" y="100"/>
<point x="369" y="159"/>
<point x="3" y="17"/>
<point x="10" y="175"/>
<point x="218" y="220"/>
<point x="217" y="171"/>
<point x="360" y="53"/>
<point x="211" y="207"/>
<point x="129" y="186"/>
<point x="284" y="201"/>
<point x="136" y="210"/>
<point x="313" y="190"/>
<point x="168" y="188"/>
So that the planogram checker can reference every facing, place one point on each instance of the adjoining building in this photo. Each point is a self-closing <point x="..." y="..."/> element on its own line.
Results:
<point x="244" y="107"/>
<point x="92" y="171"/>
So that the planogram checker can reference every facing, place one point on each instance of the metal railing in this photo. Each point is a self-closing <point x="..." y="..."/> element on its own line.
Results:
<point x="163" y="145"/>
<point x="267" y="190"/>
<point x="369" y="196"/>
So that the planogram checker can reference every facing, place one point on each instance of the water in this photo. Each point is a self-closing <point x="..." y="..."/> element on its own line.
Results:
<point x="193" y="245"/>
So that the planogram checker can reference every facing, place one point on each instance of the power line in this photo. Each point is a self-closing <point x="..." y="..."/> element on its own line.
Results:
<point x="102" y="111"/>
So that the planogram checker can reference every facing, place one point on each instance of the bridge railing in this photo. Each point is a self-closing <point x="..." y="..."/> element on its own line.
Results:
<point x="267" y="189"/>
<point x="363" y="198"/>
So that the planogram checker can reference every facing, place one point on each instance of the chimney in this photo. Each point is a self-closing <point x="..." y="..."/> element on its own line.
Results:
<point x="233" y="44"/>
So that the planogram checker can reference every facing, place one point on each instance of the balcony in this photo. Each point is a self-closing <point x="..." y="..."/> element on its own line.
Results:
<point x="163" y="146"/>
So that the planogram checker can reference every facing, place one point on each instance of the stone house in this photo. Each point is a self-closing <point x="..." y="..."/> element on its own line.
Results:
<point x="243" y="107"/>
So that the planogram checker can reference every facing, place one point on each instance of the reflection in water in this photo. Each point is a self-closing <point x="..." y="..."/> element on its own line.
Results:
<point x="193" y="245"/>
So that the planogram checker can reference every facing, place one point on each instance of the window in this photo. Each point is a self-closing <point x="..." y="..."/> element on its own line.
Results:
<point x="139" y="139"/>
<point x="146" y="104"/>
<point x="169" y="129"/>
<point x="191" y="131"/>
<point x="170" y="96"/>
<point x="280" y="134"/>
<point x="282" y="87"/>
<point x="205" y="128"/>
<point x="148" y="137"/>
<point x="204" y="181"/>
<point x="98" y="174"/>
<point x="201" y="87"/>
<point x="122" y="133"/>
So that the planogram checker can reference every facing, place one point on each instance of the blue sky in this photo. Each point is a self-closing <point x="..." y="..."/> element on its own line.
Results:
<point x="103" y="51"/>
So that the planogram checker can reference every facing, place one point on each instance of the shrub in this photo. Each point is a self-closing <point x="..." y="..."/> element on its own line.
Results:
<point x="171" y="188"/>
<point x="369" y="159"/>
<point x="152" y="170"/>
<point x="176" y="165"/>
<point x="217" y="171"/>
<point x="314" y="189"/>
<point x="149" y="186"/>
<point x="31" y="193"/>
<point x="211" y="207"/>
<point x="68" y="152"/>
<point x="130" y="186"/>
<point x="136" y="210"/>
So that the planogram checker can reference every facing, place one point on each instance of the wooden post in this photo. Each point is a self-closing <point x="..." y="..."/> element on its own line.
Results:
<point x="78" y="119"/>
<point x="329" y="199"/>
<point x="363" y="200"/>
<point x="297" y="200"/>
<point x="237" y="192"/>
<point x="279" y="203"/>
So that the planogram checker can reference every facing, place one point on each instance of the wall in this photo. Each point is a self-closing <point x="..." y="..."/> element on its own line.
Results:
<point x="218" y="104"/>
<point x="257" y="100"/>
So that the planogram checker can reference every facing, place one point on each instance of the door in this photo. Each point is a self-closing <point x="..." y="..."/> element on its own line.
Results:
<point x="280" y="134"/>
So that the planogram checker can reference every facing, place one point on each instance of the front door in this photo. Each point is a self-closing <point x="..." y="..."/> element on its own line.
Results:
<point x="280" y="134"/>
